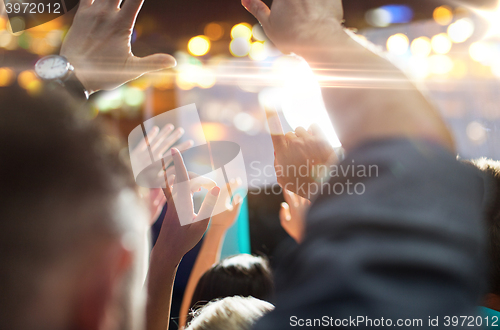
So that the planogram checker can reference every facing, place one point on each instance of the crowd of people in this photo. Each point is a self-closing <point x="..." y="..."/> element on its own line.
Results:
<point x="419" y="247"/>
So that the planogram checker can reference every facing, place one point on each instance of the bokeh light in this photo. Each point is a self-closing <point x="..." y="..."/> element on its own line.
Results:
<point x="199" y="45"/>
<point x="29" y="81"/>
<point x="134" y="97"/>
<point x="240" y="47"/>
<point x="398" y="44"/>
<point x="421" y="47"/>
<point x="6" y="77"/>
<point x="242" y="30"/>
<point x="214" y="31"/>
<point x="443" y="15"/>
<point x="440" y="64"/>
<point x="461" y="30"/>
<point x="378" y="17"/>
<point x="441" y="44"/>
<point x="479" y="51"/>
<point x="258" y="33"/>
<point x="476" y="132"/>
<point x="258" y="51"/>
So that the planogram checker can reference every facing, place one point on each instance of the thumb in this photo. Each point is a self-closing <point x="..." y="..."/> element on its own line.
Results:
<point x="258" y="9"/>
<point x="153" y="62"/>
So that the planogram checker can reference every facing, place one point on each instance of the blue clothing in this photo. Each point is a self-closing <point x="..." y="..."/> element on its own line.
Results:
<point x="412" y="246"/>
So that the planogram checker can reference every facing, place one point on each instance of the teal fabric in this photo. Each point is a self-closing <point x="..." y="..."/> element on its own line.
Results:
<point x="238" y="236"/>
<point x="492" y="316"/>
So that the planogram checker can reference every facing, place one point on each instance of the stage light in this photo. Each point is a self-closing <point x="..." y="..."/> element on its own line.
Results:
<point x="240" y="47"/>
<point x="242" y="30"/>
<point x="5" y="38"/>
<point x="479" y="51"/>
<point x="134" y="97"/>
<point x="258" y="51"/>
<point x="206" y="78"/>
<point x="476" y="132"/>
<point x="378" y="17"/>
<point x="461" y="30"/>
<point x="441" y="44"/>
<point x="440" y="64"/>
<point x="398" y="44"/>
<point x="492" y="17"/>
<point x="443" y="15"/>
<point x="418" y="67"/>
<point x="421" y="47"/>
<point x="27" y="79"/>
<point x="6" y="77"/>
<point x="398" y="13"/>
<point x="214" y="31"/>
<point x="199" y="46"/>
<point x="258" y="33"/>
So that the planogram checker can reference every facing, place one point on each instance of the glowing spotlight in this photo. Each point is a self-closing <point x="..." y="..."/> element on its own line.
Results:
<point x="476" y="132"/>
<point x="443" y="15"/>
<point x="199" y="46"/>
<point x="398" y="44"/>
<point x="258" y="51"/>
<point x="378" y="17"/>
<point x="441" y="44"/>
<point x="461" y="30"/>
<point x="440" y="64"/>
<point x="6" y="77"/>
<point x="421" y="47"/>
<point x="480" y="51"/>
<point x="258" y="33"/>
<point x="492" y="17"/>
<point x="214" y="31"/>
<point x="240" y="47"/>
<point x="242" y="30"/>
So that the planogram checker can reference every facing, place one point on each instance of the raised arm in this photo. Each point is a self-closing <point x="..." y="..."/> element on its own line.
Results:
<point x="211" y="248"/>
<point x="368" y="98"/>
<point x="173" y="243"/>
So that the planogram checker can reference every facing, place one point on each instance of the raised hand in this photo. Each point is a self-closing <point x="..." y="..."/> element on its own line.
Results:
<point x="175" y="238"/>
<point x="292" y="214"/>
<point x="98" y="45"/>
<point x="301" y="153"/>
<point x="292" y="24"/>
<point x="227" y="218"/>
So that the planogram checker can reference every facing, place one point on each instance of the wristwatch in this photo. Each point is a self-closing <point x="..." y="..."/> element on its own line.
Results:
<point x="56" y="68"/>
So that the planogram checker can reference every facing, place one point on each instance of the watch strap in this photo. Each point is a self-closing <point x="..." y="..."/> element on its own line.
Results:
<point x="75" y="87"/>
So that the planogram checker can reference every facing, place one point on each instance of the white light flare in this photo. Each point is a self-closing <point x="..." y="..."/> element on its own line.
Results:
<point x="300" y="97"/>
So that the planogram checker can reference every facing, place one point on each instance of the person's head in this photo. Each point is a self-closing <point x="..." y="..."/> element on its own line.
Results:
<point x="230" y="313"/>
<point x="492" y="168"/>
<point x="69" y="219"/>
<point x="239" y="275"/>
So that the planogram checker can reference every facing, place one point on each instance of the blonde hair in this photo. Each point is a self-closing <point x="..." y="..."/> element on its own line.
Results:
<point x="231" y="313"/>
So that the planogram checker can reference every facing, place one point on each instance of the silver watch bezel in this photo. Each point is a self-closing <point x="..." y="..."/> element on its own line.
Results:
<point x="69" y="68"/>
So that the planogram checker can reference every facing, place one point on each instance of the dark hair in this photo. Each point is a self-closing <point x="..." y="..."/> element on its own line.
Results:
<point x="492" y="168"/>
<point x="240" y="275"/>
<point x="60" y="177"/>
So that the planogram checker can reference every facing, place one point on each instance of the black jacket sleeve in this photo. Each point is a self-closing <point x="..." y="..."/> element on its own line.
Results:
<point x="405" y="242"/>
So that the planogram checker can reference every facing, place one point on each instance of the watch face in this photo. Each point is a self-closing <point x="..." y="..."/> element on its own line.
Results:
<point x="52" y="67"/>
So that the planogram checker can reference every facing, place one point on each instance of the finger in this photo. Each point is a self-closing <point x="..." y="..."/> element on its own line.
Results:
<point x="302" y="133"/>
<point x="130" y="9"/>
<point x="287" y="195"/>
<point x="285" y="212"/>
<point x="275" y="128"/>
<point x="258" y="9"/>
<point x="197" y="182"/>
<point x="181" y="172"/>
<point x="290" y="136"/>
<point x="141" y="65"/>
<point x="208" y="205"/>
<point x="159" y="137"/>
<point x="84" y="4"/>
<point x="316" y="131"/>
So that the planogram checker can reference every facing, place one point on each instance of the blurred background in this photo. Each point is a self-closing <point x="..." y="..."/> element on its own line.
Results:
<point x="230" y="70"/>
